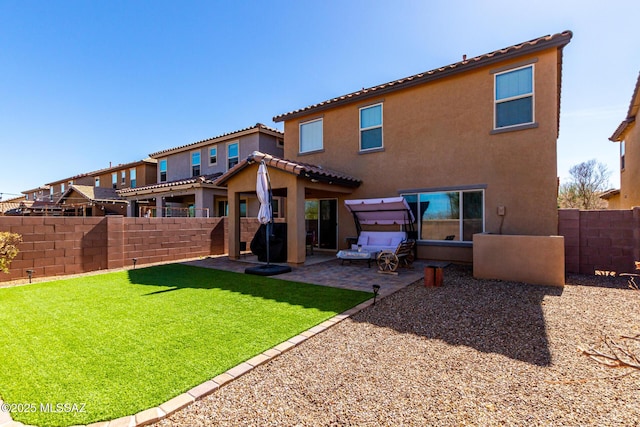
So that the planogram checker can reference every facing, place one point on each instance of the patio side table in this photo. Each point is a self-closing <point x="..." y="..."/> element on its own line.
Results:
<point x="354" y="255"/>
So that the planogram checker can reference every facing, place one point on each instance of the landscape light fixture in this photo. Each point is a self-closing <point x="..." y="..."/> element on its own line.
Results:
<point x="135" y="260"/>
<point x="30" y="273"/>
<point x="376" y="289"/>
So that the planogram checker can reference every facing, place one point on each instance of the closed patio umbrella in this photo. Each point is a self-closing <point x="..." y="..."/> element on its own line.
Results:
<point x="265" y="216"/>
<point x="263" y="191"/>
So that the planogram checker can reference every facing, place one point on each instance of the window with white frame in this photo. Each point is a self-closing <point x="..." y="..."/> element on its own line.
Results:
<point x="233" y="155"/>
<point x="195" y="163"/>
<point x="162" y="166"/>
<point x="114" y="180"/>
<point x="97" y="181"/>
<point x="62" y="187"/>
<point x="132" y="178"/>
<point x="213" y="155"/>
<point x="311" y="136"/>
<point x="51" y="194"/>
<point x="513" y="98"/>
<point x="123" y="177"/>
<point x="454" y="215"/>
<point x="622" y="150"/>
<point x="371" y="127"/>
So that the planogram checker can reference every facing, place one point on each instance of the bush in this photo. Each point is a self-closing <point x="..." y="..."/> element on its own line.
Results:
<point x="8" y="249"/>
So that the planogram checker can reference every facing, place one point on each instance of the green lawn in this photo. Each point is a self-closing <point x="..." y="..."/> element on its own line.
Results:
<point x="123" y="342"/>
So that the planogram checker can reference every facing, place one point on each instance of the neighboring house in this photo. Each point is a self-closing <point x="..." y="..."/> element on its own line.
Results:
<point x="186" y="174"/>
<point x="57" y="188"/>
<point x="39" y="194"/>
<point x="87" y="200"/>
<point x="128" y="175"/>
<point x="471" y="146"/>
<point x="628" y="135"/>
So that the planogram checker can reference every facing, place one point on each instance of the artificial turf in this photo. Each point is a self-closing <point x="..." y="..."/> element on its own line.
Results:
<point x="114" y="344"/>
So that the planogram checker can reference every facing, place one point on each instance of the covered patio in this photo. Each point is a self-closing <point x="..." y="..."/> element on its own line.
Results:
<point x="295" y="183"/>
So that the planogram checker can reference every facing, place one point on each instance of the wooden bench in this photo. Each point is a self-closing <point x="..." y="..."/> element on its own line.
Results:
<point x="388" y="261"/>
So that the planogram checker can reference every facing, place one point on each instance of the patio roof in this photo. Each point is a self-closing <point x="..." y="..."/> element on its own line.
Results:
<point x="314" y="173"/>
<point x="172" y="185"/>
<point x="93" y="194"/>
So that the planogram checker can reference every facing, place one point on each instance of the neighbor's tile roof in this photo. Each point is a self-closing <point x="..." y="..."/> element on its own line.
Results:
<point x="202" y="179"/>
<point x="540" y="43"/>
<point x="618" y="135"/>
<point x="95" y="194"/>
<point x="257" y="126"/>
<point x="305" y="170"/>
<point x="106" y="170"/>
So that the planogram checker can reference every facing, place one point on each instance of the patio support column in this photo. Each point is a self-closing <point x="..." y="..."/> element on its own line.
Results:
<point x="234" y="224"/>
<point x="296" y="233"/>
<point x="159" y="206"/>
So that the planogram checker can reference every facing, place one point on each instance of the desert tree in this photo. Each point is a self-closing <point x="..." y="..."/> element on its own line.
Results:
<point x="588" y="181"/>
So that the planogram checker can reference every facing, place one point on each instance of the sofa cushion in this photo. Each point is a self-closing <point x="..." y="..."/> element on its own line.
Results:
<point x="379" y="240"/>
<point x="395" y="241"/>
<point x="363" y="240"/>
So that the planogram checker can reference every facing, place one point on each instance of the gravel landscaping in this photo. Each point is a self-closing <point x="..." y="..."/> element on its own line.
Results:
<point x="472" y="352"/>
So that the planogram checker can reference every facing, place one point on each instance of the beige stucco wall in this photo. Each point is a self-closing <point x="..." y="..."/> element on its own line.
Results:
<point x="437" y="135"/>
<point x="630" y="176"/>
<point x="531" y="259"/>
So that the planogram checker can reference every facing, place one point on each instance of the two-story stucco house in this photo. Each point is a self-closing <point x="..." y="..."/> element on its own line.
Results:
<point x="628" y="135"/>
<point x="471" y="146"/>
<point x="186" y="174"/>
<point x="94" y="193"/>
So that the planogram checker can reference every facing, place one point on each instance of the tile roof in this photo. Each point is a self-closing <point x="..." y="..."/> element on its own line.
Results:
<point x="106" y="170"/>
<point x="258" y="127"/>
<point x="618" y="135"/>
<point x="94" y="194"/>
<point x="540" y="43"/>
<point x="202" y="179"/>
<point x="306" y="170"/>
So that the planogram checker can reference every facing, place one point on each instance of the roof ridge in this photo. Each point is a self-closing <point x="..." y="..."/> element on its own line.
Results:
<point x="559" y="39"/>
<point x="256" y="126"/>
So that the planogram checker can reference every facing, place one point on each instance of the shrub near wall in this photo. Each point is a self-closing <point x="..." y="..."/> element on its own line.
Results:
<point x="54" y="246"/>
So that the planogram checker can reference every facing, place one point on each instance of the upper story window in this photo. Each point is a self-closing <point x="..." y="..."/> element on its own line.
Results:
<point x="448" y="215"/>
<point x="514" y="98"/>
<point x="62" y="187"/>
<point x="132" y="177"/>
<point x="232" y="155"/>
<point x="213" y="155"/>
<point x="51" y="194"/>
<point x="371" y="127"/>
<point x="70" y="183"/>
<point x="123" y="177"/>
<point x="114" y="180"/>
<point x="163" y="170"/>
<point x="97" y="181"/>
<point x="195" y="163"/>
<point x="311" y="136"/>
<point x="622" y="150"/>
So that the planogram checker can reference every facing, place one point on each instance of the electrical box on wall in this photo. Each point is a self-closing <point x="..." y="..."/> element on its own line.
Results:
<point x="502" y="210"/>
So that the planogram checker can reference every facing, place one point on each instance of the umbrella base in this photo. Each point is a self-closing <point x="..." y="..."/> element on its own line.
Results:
<point x="268" y="270"/>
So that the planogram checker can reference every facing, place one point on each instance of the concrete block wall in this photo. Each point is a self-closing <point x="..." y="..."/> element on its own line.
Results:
<point x="56" y="246"/>
<point x="605" y="241"/>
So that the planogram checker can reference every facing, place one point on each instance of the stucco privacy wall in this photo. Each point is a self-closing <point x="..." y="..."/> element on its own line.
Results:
<point x="55" y="246"/>
<point x="605" y="241"/>
<point x="531" y="259"/>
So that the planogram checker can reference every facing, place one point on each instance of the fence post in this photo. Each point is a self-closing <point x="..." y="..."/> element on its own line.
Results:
<point x="115" y="241"/>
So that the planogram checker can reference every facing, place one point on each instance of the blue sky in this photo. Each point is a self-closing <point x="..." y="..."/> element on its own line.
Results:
<point x="86" y="83"/>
